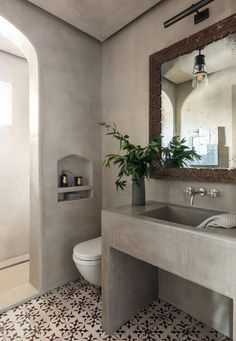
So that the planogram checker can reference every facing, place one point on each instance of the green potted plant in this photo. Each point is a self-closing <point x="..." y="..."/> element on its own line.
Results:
<point x="177" y="154"/>
<point x="137" y="162"/>
<point x="133" y="160"/>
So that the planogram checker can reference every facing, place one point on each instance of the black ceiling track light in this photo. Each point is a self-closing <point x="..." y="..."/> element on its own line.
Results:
<point x="199" y="16"/>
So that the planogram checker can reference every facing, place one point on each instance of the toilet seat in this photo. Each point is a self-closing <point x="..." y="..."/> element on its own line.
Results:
<point x="90" y="250"/>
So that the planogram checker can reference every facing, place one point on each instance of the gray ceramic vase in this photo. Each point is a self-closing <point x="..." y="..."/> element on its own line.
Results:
<point x="138" y="193"/>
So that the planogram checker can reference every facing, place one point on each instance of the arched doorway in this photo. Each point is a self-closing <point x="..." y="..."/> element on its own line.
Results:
<point x="21" y="41"/>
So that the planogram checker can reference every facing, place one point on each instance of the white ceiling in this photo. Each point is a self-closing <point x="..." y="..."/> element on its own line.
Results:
<point x="219" y="56"/>
<point x="99" y="18"/>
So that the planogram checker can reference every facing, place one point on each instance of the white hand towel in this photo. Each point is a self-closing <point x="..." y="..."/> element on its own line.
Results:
<point x="226" y="220"/>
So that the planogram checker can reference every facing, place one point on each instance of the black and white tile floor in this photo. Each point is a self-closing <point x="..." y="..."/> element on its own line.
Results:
<point x="73" y="312"/>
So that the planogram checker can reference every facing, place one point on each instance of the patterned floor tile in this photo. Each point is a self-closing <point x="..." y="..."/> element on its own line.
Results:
<point x="73" y="312"/>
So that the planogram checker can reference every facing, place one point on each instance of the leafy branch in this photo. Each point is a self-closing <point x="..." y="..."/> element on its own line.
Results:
<point x="132" y="160"/>
<point x="177" y="154"/>
<point x="138" y="162"/>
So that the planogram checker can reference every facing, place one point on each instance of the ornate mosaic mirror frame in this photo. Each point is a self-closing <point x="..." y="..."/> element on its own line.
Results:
<point x="212" y="33"/>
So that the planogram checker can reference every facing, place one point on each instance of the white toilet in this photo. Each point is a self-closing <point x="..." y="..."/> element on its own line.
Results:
<point x="88" y="258"/>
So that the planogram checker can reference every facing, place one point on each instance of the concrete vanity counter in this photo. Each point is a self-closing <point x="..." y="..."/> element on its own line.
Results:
<point x="135" y="246"/>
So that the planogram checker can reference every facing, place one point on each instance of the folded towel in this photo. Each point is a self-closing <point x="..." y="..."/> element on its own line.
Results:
<point x="226" y="220"/>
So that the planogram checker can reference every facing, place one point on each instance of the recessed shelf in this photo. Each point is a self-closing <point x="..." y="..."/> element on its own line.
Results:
<point x="75" y="165"/>
<point x="74" y="201"/>
<point x="74" y="189"/>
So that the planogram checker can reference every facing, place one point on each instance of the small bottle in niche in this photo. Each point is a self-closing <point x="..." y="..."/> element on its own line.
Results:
<point x="78" y="181"/>
<point x="64" y="180"/>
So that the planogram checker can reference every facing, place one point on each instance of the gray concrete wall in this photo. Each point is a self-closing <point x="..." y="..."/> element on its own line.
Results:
<point x="125" y="77"/>
<point x="69" y="109"/>
<point x="14" y="155"/>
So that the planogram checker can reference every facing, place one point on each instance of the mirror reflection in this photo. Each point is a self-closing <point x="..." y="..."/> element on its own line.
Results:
<point x="199" y="103"/>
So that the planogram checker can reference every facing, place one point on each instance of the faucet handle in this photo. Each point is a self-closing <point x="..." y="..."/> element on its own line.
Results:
<point x="214" y="193"/>
<point x="189" y="190"/>
<point x="202" y="191"/>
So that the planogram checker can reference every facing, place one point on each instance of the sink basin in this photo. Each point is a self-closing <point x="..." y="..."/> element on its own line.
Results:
<point x="181" y="215"/>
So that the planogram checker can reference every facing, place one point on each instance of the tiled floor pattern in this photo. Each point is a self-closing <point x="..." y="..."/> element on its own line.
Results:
<point x="73" y="312"/>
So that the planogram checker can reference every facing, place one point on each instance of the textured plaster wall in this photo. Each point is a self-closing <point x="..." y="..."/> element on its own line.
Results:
<point x="14" y="155"/>
<point x="125" y="77"/>
<point x="69" y="109"/>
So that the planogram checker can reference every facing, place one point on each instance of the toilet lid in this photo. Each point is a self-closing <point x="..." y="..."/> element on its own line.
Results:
<point x="89" y="250"/>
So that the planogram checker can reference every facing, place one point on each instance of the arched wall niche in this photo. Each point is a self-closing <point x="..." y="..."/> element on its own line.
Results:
<point x="75" y="165"/>
<point x="12" y="33"/>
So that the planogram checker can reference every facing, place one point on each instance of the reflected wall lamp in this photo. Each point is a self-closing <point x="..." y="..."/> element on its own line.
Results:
<point x="200" y="76"/>
<point x="199" y="16"/>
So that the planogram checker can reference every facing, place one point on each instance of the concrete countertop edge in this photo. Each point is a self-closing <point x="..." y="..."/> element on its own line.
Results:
<point x="135" y="213"/>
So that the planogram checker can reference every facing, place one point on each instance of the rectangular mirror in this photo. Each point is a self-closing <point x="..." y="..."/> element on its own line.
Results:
<point x="193" y="96"/>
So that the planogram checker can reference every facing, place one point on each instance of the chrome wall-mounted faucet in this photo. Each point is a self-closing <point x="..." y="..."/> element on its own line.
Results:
<point x="190" y="191"/>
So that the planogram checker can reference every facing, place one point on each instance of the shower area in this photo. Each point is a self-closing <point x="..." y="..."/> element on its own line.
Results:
<point x="14" y="156"/>
<point x="14" y="170"/>
<point x="20" y="214"/>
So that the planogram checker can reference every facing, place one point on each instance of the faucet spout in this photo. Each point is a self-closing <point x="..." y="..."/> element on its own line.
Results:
<point x="191" y="192"/>
<point x="192" y="198"/>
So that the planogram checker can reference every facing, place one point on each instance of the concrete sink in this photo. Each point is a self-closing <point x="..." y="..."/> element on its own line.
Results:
<point x="180" y="214"/>
<point x="137" y="241"/>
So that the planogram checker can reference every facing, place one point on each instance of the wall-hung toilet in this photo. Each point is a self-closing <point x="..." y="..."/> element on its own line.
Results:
<point x="88" y="258"/>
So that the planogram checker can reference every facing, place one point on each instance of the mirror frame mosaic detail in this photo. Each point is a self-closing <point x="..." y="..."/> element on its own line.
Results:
<point x="202" y="38"/>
